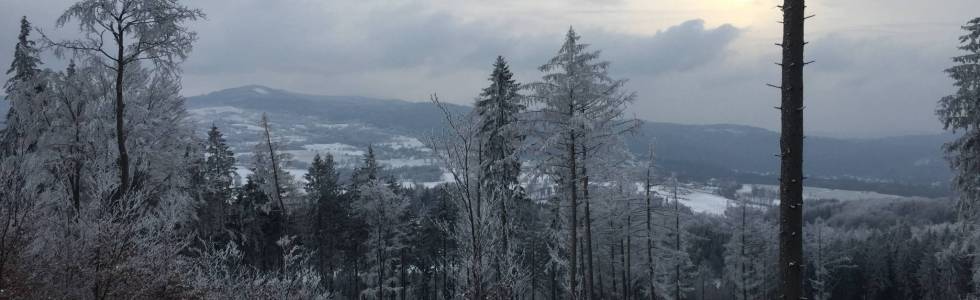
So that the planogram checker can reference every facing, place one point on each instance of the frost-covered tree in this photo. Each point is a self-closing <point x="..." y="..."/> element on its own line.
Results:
<point x="24" y="175"/>
<point x="24" y="89"/>
<point x="18" y="207"/>
<point x="675" y="270"/>
<point x="434" y="245"/>
<point x="219" y="166"/>
<point x="746" y="250"/>
<point x="26" y="62"/>
<point x="477" y="225"/>
<point x="457" y="151"/>
<point x="961" y="112"/>
<point x="261" y="206"/>
<point x="269" y="163"/>
<point x="369" y="170"/>
<point x="649" y="205"/>
<point x="119" y="251"/>
<point x="257" y="227"/>
<point x="137" y="234"/>
<point x="154" y="31"/>
<point x="216" y="175"/>
<point x="329" y="216"/>
<point x="617" y="238"/>
<point x="578" y="120"/>
<point x="217" y="273"/>
<point x="382" y="209"/>
<point x="162" y="142"/>
<point x="498" y="109"/>
<point x="825" y="260"/>
<point x="71" y="116"/>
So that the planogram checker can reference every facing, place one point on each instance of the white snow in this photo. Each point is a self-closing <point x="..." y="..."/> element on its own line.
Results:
<point x="403" y="142"/>
<point x="335" y="149"/>
<point x="243" y="172"/>
<point x="813" y="193"/>
<point x="249" y="127"/>
<point x="297" y="174"/>
<point x="405" y="162"/>
<point x="699" y="199"/>
<point x="446" y="178"/>
<point x="216" y="110"/>
<point x="333" y="126"/>
<point x="294" y="138"/>
<point x="259" y="90"/>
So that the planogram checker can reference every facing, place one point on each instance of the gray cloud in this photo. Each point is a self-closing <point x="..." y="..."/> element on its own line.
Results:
<point x="679" y="48"/>
<point x="880" y="74"/>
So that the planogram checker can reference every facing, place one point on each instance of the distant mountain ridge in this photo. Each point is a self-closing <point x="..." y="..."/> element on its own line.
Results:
<point x="397" y="115"/>
<point x="903" y="165"/>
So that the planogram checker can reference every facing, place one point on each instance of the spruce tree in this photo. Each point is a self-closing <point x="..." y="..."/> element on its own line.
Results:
<point x="258" y="226"/>
<point x="329" y="216"/>
<point x="961" y="112"/>
<point x="497" y="108"/>
<point x="26" y="57"/>
<point x="22" y="89"/>
<point x="322" y="178"/>
<point x="369" y="170"/>
<point x="217" y="174"/>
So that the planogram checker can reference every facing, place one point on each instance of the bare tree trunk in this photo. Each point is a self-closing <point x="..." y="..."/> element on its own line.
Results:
<point x="589" y="278"/>
<point x="402" y="280"/>
<point x="602" y="289"/>
<point x="554" y="282"/>
<point x="677" y="243"/>
<point x="745" y="292"/>
<point x="381" y="266"/>
<point x="275" y="168"/>
<point x="120" y="113"/>
<point x="534" y="270"/>
<point x="573" y="215"/>
<point x="477" y="267"/>
<point x="75" y="179"/>
<point x="791" y="151"/>
<point x="622" y="258"/>
<point x="629" y="254"/>
<point x="647" y="188"/>
<point x="612" y="264"/>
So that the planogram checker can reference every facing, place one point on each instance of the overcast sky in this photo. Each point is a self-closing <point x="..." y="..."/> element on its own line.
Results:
<point x="878" y="71"/>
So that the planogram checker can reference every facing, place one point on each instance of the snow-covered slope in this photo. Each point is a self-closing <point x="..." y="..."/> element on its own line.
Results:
<point x="343" y="127"/>
<point x="306" y="123"/>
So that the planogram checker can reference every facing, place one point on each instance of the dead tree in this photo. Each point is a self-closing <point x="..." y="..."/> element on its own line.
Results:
<point x="791" y="152"/>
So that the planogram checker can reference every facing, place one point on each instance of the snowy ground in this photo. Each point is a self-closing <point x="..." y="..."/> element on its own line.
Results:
<point x="403" y="142"/>
<point x="446" y="178"/>
<point x="814" y="193"/>
<point x="699" y="199"/>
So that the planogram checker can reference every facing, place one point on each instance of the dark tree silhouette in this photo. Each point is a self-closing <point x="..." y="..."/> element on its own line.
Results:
<point x="791" y="152"/>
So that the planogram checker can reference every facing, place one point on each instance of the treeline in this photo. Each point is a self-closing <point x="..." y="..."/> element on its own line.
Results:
<point x="880" y="249"/>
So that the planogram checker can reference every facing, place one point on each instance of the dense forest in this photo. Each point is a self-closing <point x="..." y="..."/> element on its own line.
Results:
<point x="109" y="191"/>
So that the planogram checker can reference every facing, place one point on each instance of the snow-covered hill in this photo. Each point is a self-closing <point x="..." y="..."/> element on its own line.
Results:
<point x="345" y="125"/>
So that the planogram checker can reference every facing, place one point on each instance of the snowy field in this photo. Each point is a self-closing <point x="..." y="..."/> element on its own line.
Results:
<point x="403" y="142"/>
<point x="815" y="193"/>
<point x="699" y="199"/>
